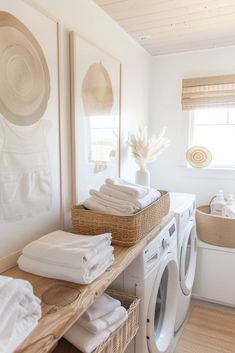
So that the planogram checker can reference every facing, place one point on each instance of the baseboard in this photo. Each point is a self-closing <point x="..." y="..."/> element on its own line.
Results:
<point x="212" y="301"/>
<point x="9" y="261"/>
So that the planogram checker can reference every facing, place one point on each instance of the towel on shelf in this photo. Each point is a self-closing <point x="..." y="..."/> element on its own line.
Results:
<point x="87" y="341"/>
<point x="134" y="190"/>
<point x="20" y="311"/>
<point x="139" y="203"/>
<point x="118" y="323"/>
<point x="102" y="306"/>
<point x="83" y="275"/>
<point x="94" y="205"/>
<point x="105" y="321"/>
<point x="63" y="248"/>
<point x="84" y="340"/>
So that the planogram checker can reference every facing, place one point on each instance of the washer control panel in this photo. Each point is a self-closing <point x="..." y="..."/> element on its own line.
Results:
<point x="166" y="241"/>
<point x="151" y="255"/>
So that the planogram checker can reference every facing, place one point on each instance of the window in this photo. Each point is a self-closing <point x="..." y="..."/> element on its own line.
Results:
<point x="215" y="130"/>
<point x="103" y="137"/>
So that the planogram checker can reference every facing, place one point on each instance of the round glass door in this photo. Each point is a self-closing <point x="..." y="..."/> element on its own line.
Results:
<point x="162" y="307"/>
<point x="188" y="258"/>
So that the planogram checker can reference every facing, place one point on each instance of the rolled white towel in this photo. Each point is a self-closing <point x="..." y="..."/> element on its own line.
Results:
<point x="135" y="190"/>
<point x="102" y="306"/>
<point x="104" y="322"/>
<point x="20" y="311"/>
<point x="81" y="275"/>
<point x="94" y="205"/>
<point x="84" y="340"/>
<point x="63" y="248"/>
<point x="140" y="203"/>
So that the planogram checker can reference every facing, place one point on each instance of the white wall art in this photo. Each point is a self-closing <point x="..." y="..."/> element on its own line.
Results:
<point x="29" y="124"/>
<point x="95" y="80"/>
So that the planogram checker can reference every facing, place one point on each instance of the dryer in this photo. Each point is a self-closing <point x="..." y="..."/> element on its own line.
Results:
<point x="183" y="205"/>
<point x="153" y="276"/>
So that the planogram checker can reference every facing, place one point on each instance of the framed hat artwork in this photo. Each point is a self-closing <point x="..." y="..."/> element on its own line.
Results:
<point x="29" y="120"/>
<point x="95" y="87"/>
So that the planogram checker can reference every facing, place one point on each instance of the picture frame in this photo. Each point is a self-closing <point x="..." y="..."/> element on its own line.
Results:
<point x="96" y="110"/>
<point x="33" y="223"/>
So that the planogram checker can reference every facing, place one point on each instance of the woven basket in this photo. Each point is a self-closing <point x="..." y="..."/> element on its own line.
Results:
<point x="126" y="230"/>
<point x="215" y="230"/>
<point x="119" y="339"/>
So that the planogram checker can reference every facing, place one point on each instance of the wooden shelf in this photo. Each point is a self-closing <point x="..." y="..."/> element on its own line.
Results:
<point x="64" y="302"/>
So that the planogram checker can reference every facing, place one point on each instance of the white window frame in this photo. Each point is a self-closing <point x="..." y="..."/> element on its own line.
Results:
<point x="191" y="143"/>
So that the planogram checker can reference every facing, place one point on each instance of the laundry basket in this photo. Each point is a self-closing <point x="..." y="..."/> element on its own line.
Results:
<point x="215" y="230"/>
<point x="126" y="230"/>
<point x="119" y="339"/>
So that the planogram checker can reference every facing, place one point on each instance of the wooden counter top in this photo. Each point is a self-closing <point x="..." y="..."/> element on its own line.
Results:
<point x="64" y="302"/>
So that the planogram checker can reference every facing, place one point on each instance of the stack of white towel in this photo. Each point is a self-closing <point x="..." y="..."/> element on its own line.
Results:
<point x="120" y="197"/>
<point x="97" y="323"/>
<point x="70" y="257"/>
<point x="20" y="311"/>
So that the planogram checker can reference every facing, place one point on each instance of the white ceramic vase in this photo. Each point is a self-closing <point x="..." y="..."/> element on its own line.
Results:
<point x="142" y="177"/>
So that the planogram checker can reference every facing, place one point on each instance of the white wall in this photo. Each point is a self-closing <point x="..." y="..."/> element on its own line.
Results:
<point x="169" y="171"/>
<point x="88" y="20"/>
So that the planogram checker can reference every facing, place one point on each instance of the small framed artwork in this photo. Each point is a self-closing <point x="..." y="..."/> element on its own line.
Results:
<point x="95" y="103"/>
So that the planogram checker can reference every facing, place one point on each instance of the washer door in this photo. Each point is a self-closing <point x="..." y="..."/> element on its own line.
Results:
<point x="162" y="306"/>
<point x="188" y="257"/>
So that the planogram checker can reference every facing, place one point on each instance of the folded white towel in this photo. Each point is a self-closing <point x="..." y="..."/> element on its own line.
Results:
<point x="20" y="311"/>
<point x="117" y="204"/>
<point x="84" y="275"/>
<point x="63" y="248"/>
<point x="140" y="203"/>
<point x="84" y="340"/>
<point x="102" y="306"/>
<point x="114" y="200"/>
<point x="118" y="323"/>
<point x="94" y="205"/>
<point x="104" y="322"/>
<point x="134" y="190"/>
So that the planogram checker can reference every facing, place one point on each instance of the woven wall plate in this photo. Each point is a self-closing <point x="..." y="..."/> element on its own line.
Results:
<point x="25" y="80"/>
<point x="199" y="157"/>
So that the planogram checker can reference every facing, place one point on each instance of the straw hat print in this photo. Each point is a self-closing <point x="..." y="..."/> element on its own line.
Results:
<point x="25" y="80"/>
<point x="97" y="91"/>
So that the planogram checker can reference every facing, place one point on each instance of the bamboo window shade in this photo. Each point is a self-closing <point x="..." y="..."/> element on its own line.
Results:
<point x="208" y="92"/>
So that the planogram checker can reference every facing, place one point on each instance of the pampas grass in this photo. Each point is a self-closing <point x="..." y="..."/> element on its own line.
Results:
<point x="146" y="150"/>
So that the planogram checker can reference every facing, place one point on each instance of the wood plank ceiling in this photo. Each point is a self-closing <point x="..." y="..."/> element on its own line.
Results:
<point x="171" y="26"/>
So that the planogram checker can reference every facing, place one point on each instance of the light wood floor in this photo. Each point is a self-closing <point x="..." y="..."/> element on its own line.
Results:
<point x="208" y="330"/>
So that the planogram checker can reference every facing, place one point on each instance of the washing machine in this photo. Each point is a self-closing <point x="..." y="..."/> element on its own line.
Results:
<point x="183" y="205"/>
<point x="153" y="277"/>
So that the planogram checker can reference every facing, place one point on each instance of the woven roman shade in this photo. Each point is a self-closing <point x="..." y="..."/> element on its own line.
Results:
<point x="208" y="92"/>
